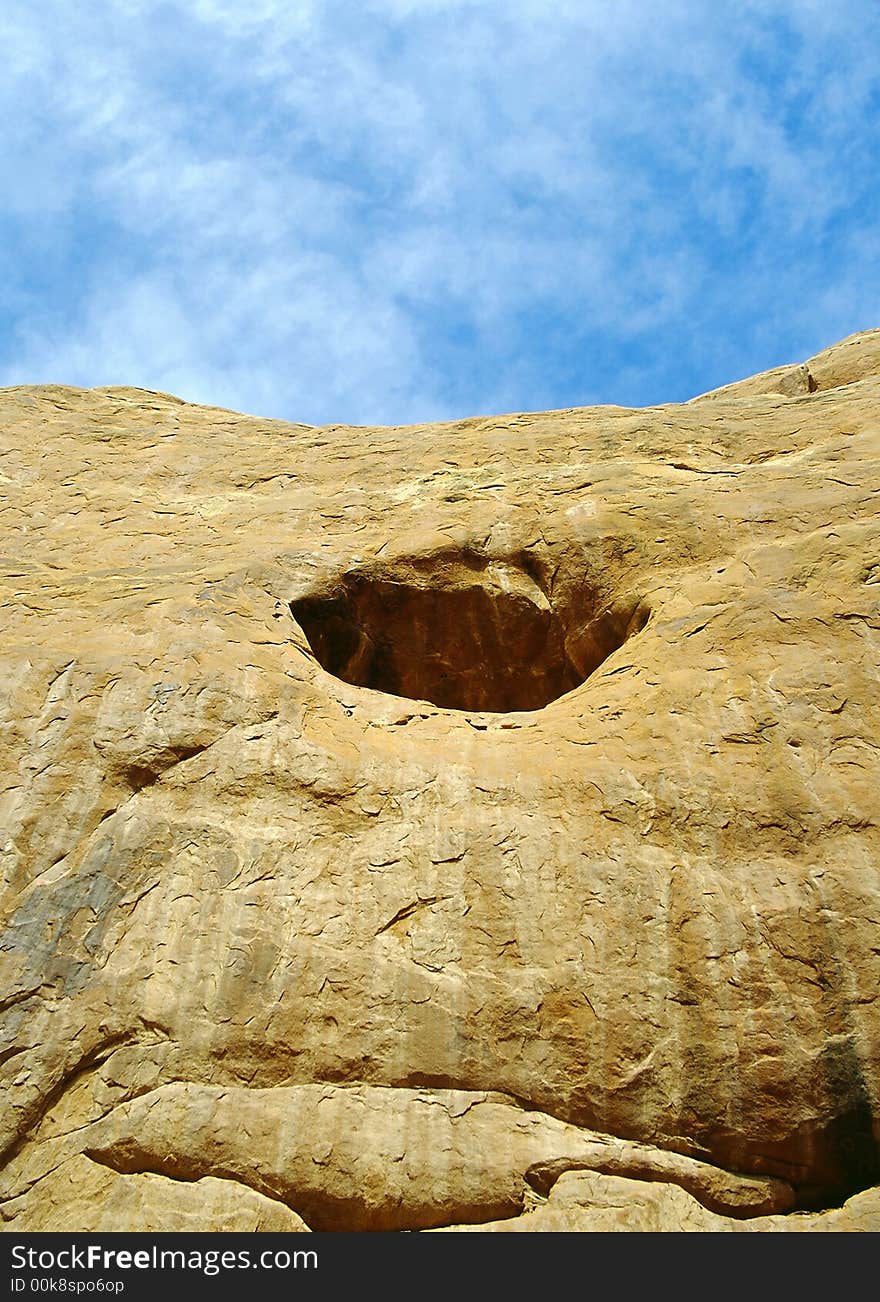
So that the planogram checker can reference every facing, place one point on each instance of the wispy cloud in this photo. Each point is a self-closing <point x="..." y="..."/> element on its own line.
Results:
<point x="402" y="210"/>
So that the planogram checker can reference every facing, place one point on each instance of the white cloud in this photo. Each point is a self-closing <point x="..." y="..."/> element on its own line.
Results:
<point x="320" y="209"/>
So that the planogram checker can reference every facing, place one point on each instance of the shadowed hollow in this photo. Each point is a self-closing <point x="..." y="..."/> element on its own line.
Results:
<point x="459" y="632"/>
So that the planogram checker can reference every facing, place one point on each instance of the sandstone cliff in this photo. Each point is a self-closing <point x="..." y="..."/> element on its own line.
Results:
<point x="458" y="826"/>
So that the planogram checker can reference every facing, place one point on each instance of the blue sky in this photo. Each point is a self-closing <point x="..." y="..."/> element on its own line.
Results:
<point x="402" y="210"/>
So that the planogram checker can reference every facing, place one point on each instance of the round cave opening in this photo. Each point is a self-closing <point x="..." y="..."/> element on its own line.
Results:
<point x="462" y="635"/>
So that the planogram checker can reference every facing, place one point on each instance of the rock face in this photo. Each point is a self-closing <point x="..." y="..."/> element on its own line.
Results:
<point x="460" y="826"/>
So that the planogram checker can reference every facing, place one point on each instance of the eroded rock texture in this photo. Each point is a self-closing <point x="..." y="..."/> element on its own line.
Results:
<point x="462" y="825"/>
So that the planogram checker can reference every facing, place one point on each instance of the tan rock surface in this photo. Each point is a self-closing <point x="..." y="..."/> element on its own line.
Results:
<point x="364" y="1157"/>
<point x="591" y="829"/>
<point x="83" y="1197"/>
<point x="587" y="1203"/>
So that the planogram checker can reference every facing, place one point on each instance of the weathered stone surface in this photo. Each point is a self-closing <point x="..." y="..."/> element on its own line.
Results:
<point x="82" y="1197"/>
<point x="617" y="865"/>
<point x="367" y="1157"/>
<point x="584" y="1202"/>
